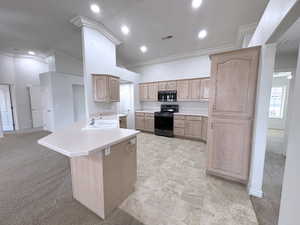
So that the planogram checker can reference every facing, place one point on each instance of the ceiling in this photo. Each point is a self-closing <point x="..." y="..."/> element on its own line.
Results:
<point x="43" y="25"/>
<point x="290" y="41"/>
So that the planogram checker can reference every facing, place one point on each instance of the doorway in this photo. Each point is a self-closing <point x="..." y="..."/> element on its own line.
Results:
<point x="126" y="105"/>
<point x="78" y="102"/>
<point x="36" y="106"/>
<point x="6" y="108"/>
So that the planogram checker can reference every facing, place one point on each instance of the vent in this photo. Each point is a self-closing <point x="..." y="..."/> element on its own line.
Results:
<point x="167" y="37"/>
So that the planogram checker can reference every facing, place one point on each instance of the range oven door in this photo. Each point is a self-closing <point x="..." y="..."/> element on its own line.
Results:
<point x="163" y="124"/>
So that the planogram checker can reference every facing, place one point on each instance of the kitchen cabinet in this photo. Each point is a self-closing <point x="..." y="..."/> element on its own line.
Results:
<point x="204" y="129"/>
<point x="106" y="88"/>
<point x="204" y="89"/>
<point x="183" y="92"/>
<point x="143" y="92"/>
<point x="195" y="89"/>
<point x="149" y="122"/>
<point x="152" y="91"/>
<point x="231" y="112"/>
<point x="139" y="121"/>
<point x="123" y="121"/>
<point x="167" y="85"/>
<point x="193" y="127"/>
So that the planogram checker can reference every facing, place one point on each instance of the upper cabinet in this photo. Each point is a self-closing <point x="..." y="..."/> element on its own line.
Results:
<point x="106" y="88"/>
<point x="196" y="89"/>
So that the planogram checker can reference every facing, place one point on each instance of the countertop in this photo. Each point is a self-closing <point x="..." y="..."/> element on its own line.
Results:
<point x="179" y="113"/>
<point x="73" y="141"/>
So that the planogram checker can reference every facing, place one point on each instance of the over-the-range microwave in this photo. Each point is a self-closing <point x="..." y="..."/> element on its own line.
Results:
<point x="167" y="96"/>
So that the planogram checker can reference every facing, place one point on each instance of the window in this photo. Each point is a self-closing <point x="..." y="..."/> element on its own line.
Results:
<point x="277" y="102"/>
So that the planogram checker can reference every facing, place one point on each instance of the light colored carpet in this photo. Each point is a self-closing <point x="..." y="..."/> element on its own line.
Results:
<point x="172" y="187"/>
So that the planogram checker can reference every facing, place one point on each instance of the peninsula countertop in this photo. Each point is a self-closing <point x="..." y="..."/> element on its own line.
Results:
<point x="73" y="141"/>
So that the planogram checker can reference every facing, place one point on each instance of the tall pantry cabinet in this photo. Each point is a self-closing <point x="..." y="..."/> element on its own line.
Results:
<point x="231" y="112"/>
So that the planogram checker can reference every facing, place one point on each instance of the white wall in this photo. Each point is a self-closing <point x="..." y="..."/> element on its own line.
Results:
<point x="61" y="97"/>
<point x="1" y="129"/>
<point x="290" y="198"/>
<point x="21" y="72"/>
<point x="67" y="64"/>
<point x="179" y="69"/>
<point x="99" y="57"/>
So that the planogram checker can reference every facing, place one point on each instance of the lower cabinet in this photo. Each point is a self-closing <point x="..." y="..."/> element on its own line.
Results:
<point x="139" y="121"/>
<point x="204" y="129"/>
<point x="144" y="121"/>
<point x="149" y="122"/>
<point x="123" y="122"/>
<point x="193" y="127"/>
<point x="229" y="148"/>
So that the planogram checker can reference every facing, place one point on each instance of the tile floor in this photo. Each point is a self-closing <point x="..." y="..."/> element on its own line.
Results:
<point x="172" y="187"/>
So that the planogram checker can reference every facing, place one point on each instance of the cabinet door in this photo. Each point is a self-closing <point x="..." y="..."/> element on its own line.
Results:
<point x="162" y="86"/>
<point x="140" y="122"/>
<point x="123" y="122"/>
<point x="229" y="148"/>
<point x="152" y="91"/>
<point x="204" y="89"/>
<point x="100" y="84"/>
<point x="171" y="85"/>
<point x="195" y="87"/>
<point x="149" y="124"/>
<point x="129" y="168"/>
<point x="193" y="127"/>
<point x="114" y="89"/>
<point x="233" y="78"/>
<point x="143" y="92"/>
<point x="204" y="128"/>
<point x="182" y="90"/>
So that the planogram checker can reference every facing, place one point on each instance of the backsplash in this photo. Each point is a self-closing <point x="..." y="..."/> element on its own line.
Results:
<point x="199" y="107"/>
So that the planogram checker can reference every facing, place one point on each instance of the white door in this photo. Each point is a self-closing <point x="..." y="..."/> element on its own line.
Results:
<point x="6" y="108"/>
<point x="36" y="106"/>
<point x="78" y="102"/>
<point x="127" y="103"/>
<point x="47" y="109"/>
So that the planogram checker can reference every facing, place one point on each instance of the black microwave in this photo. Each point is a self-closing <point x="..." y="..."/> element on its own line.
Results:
<point x="167" y="96"/>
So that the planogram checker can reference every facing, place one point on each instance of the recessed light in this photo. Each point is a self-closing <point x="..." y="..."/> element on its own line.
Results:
<point x="143" y="49"/>
<point x="31" y="52"/>
<point x="95" y="8"/>
<point x="196" y="4"/>
<point x="202" y="34"/>
<point x="125" y="30"/>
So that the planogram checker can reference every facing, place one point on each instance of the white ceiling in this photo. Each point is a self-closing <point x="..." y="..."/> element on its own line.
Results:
<point x="290" y="40"/>
<point x="43" y="25"/>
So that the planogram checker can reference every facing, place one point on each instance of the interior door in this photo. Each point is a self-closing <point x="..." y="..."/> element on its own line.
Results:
<point x="36" y="106"/>
<point x="6" y="108"/>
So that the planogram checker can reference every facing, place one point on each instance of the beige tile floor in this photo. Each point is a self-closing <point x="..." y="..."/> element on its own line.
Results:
<point x="173" y="187"/>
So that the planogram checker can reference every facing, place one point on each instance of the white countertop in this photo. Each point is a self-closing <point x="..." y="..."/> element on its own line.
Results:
<point x="73" y="141"/>
<point x="179" y="113"/>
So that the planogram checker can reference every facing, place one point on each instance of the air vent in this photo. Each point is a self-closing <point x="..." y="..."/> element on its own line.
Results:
<point x="167" y="37"/>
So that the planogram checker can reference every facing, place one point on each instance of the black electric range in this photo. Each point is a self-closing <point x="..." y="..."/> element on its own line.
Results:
<point x="164" y="120"/>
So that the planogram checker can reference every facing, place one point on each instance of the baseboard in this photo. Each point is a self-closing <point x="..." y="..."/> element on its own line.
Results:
<point x="255" y="192"/>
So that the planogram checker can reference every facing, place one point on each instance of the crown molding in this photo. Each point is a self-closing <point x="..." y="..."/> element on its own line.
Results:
<point x="244" y="30"/>
<point x="81" y="21"/>
<point x="191" y="54"/>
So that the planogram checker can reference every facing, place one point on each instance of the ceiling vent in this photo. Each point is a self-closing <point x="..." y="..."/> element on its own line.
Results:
<point x="167" y="37"/>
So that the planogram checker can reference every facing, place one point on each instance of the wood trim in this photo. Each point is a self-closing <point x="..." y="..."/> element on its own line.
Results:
<point x="235" y="51"/>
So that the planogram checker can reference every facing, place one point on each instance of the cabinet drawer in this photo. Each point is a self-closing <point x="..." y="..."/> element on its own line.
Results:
<point x="197" y="118"/>
<point x="179" y="132"/>
<point x="151" y="115"/>
<point x="139" y="114"/>
<point x="178" y="117"/>
<point x="179" y="123"/>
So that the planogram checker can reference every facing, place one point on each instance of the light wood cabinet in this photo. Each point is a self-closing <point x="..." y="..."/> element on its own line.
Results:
<point x="144" y="121"/>
<point x="194" y="88"/>
<point x="152" y="91"/>
<point x="106" y="88"/>
<point x="183" y="92"/>
<point x="204" y="89"/>
<point x="149" y="123"/>
<point x="140" y="122"/>
<point x="193" y="127"/>
<point x="231" y="112"/>
<point x="204" y="128"/>
<point x="123" y="122"/>
<point x="167" y="85"/>
<point x="143" y="92"/>
<point x="101" y="182"/>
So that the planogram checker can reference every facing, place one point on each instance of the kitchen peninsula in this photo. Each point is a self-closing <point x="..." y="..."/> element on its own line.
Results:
<point x="103" y="164"/>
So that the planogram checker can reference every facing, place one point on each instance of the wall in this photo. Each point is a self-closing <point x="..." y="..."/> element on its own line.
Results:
<point x="65" y="63"/>
<point x="179" y="69"/>
<point x="290" y="198"/>
<point x="60" y="99"/>
<point x="21" y="72"/>
<point x="99" y="57"/>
